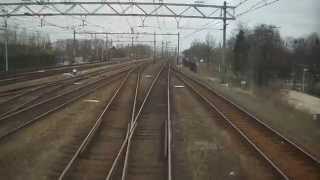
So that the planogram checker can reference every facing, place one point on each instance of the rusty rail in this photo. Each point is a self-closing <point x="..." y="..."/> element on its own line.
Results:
<point x="93" y="130"/>
<point x="275" y="165"/>
<point x="169" y="128"/>
<point x="131" y="131"/>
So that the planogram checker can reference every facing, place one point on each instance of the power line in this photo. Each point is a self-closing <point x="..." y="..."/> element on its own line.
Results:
<point x="241" y="3"/>
<point x="257" y="6"/>
<point x="126" y="17"/>
<point x="44" y="21"/>
<point x="54" y="8"/>
<point x="200" y="30"/>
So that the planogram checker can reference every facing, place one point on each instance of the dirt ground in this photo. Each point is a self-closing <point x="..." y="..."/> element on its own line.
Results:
<point x="146" y="160"/>
<point x="207" y="148"/>
<point x="295" y="124"/>
<point x="36" y="151"/>
<point x="102" y="150"/>
<point x="42" y="150"/>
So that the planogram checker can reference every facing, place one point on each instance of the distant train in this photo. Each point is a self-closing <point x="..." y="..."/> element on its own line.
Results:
<point x="190" y="64"/>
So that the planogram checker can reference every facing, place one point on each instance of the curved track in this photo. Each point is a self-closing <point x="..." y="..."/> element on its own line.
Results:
<point x="147" y="149"/>
<point x="288" y="159"/>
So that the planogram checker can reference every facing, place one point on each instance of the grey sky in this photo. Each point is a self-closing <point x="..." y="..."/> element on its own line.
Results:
<point x="294" y="17"/>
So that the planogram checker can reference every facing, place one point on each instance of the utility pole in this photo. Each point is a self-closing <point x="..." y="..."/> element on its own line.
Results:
<point x="6" y="43"/>
<point x="178" y="48"/>
<point x="74" y="46"/>
<point x="96" y="42"/>
<point x="132" y="51"/>
<point x="176" y="51"/>
<point x="106" y="47"/>
<point x="303" y="78"/>
<point x="224" y="68"/>
<point x="144" y="33"/>
<point x="110" y="50"/>
<point x="154" y="48"/>
<point x="106" y="41"/>
<point x="166" y="52"/>
<point x="162" y="48"/>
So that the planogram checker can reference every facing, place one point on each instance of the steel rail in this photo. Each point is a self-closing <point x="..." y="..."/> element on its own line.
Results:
<point x="29" y="122"/>
<point x="133" y="127"/>
<point x="242" y="134"/>
<point x="18" y="92"/>
<point x="127" y="152"/>
<point x="60" y="95"/>
<point x="60" y="84"/>
<point x="289" y="141"/>
<point x="37" y="75"/>
<point x="47" y="68"/>
<point x="12" y="75"/>
<point x="147" y="96"/>
<point x="169" y="127"/>
<point x="93" y="130"/>
<point x="48" y="72"/>
<point x="305" y="155"/>
<point x="10" y="93"/>
<point x="62" y="69"/>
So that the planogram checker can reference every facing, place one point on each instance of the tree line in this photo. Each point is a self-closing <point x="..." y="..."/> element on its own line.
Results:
<point x="25" y="49"/>
<point x="262" y="58"/>
<point x="32" y="50"/>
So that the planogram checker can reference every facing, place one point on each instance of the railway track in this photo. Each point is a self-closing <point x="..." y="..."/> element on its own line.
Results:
<point x="26" y="87"/>
<point x="147" y="141"/>
<point x="105" y="152"/>
<point x="14" y="122"/>
<point x="23" y="76"/>
<point x="286" y="158"/>
<point x="15" y="78"/>
<point x="48" y="90"/>
<point x="94" y="156"/>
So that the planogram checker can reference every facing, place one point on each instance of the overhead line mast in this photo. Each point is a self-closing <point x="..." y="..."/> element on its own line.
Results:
<point x="144" y="9"/>
<point x="41" y="9"/>
<point x="139" y="33"/>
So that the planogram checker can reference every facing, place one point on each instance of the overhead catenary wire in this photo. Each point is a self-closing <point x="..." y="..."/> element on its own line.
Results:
<point x="200" y="30"/>
<point x="128" y="22"/>
<point x="77" y="18"/>
<point x="18" y="22"/>
<point x="49" y="23"/>
<point x="255" y="6"/>
<point x="258" y="5"/>
<point x="52" y="7"/>
<point x="242" y="2"/>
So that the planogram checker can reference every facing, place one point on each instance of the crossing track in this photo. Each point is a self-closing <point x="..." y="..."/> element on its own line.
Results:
<point x="102" y="148"/>
<point x="146" y="152"/>
<point x="50" y="89"/>
<point x="13" y="122"/>
<point x="288" y="159"/>
<point x="94" y="155"/>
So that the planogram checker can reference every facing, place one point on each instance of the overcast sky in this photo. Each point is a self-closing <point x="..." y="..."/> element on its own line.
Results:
<point x="294" y="18"/>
